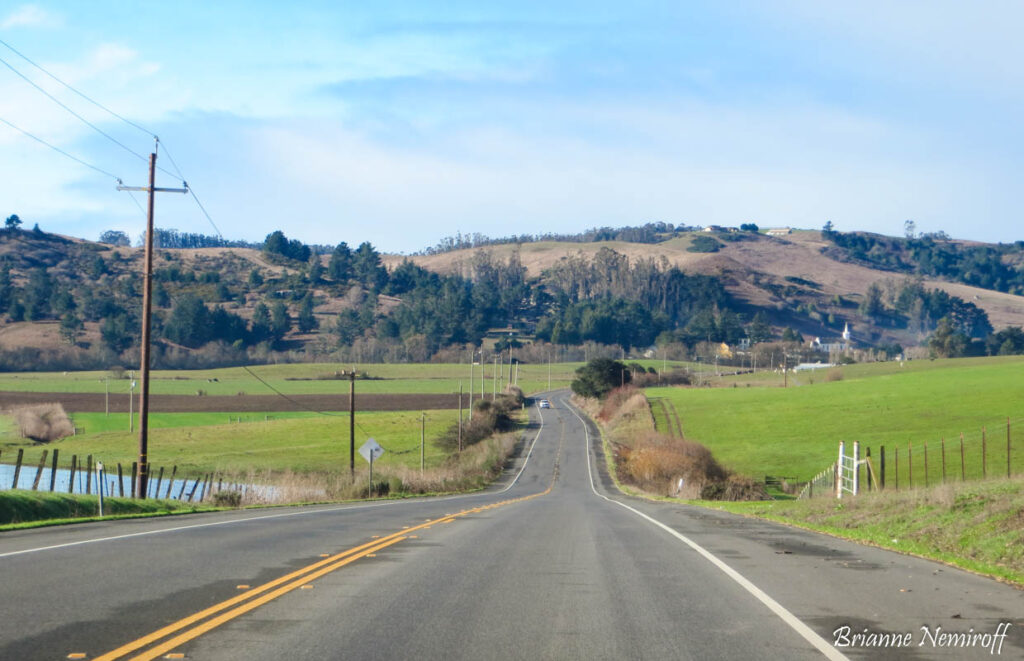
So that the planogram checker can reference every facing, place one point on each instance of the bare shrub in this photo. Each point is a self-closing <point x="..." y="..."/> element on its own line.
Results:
<point x="43" y="422"/>
<point x="656" y="463"/>
<point x="735" y="487"/>
<point x="834" y="374"/>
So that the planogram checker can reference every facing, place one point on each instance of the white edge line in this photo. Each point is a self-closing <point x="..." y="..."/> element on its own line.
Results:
<point x="793" y="621"/>
<point x="277" y="516"/>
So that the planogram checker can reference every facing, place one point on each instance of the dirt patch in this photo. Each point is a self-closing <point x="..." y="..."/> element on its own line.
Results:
<point x="94" y="402"/>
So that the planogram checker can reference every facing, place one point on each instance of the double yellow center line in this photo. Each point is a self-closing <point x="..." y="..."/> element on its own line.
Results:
<point x="210" y="618"/>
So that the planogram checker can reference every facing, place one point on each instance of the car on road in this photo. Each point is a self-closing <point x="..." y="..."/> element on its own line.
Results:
<point x="544" y="404"/>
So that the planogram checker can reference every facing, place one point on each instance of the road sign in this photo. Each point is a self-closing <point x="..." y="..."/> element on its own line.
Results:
<point x="371" y="450"/>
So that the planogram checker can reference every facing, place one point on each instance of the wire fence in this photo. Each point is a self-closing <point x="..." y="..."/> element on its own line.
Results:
<point x="990" y="452"/>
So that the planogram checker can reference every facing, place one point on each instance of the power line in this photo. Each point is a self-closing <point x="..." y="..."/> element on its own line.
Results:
<point x="118" y="179"/>
<point x="79" y="93"/>
<point x="60" y="151"/>
<point x="79" y="117"/>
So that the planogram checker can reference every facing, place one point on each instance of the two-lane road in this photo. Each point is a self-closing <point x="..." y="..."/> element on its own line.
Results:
<point x="551" y="563"/>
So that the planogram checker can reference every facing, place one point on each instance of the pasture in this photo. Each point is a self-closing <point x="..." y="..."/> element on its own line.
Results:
<point x="795" y="431"/>
<point x="200" y="443"/>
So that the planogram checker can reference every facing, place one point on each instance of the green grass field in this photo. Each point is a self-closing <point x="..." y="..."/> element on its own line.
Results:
<point x="794" y="432"/>
<point x="300" y="443"/>
<point x="303" y="378"/>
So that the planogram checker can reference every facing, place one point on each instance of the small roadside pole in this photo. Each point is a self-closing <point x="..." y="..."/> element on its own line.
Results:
<point x="371" y="450"/>
<point x="131" y="407"/>
<point x="99" y="480"/>
<point x="423" y="433"/>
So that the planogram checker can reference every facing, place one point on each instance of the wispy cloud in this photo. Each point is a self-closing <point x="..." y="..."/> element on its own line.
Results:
<point x="29" y="16"/>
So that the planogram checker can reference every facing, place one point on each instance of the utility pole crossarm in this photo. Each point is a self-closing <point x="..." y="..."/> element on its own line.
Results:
<point x="145" y="189"/>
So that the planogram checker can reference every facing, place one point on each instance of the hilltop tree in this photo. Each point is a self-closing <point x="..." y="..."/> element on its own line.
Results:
<point x="339" y="269"/>
<point x="368" y="268"/>
<point x="12" y="223"/>
<point x="115" y="238"/>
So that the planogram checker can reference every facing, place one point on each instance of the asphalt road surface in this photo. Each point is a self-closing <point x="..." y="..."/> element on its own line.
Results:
<point x="551" y="563"/>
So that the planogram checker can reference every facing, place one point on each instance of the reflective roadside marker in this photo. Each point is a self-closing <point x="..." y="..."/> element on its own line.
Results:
<point x="325" y="555"/>
<point x="306" y="587"/>
<point x="242" y="587"/>
<point x="76" y="655"/>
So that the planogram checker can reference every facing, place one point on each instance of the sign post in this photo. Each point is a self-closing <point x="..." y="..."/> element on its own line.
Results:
<point x="371" y="450"/>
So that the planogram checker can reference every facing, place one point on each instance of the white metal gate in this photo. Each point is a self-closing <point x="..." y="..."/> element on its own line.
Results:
<point x="849" y="470"/>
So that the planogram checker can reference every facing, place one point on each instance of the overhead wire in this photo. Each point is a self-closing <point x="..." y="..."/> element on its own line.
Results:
<point x="174" y="164"/>
<point x="79" y="117"/>
<point x="78" y="92"/>
<point x="61" y="151"/>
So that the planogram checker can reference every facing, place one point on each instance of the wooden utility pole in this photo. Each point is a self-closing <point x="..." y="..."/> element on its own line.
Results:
<point x="147" y="289"/>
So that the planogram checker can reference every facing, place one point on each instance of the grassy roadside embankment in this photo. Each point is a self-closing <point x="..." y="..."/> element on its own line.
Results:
<point x="30" y="509"/>
<point x="977" y="526"/>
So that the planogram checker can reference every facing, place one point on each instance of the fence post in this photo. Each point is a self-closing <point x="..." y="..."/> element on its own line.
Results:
<point x="963" y="465"/>
<point x="135" y="471"/>
<point x="897" y="467"/>
<point x="943" y="439"/>
<point x="926" y="464"/>
<point x="17" y="467"/>
<point x="88" y="475"/>
<point x="71" y="478"/>
<point x="984" y="455"/>
<point x="120" y="481"/>
<point x="867" y="458"/>
<point x="910" y="465"/>
<point x="159" y="479"/>
<point x="839" y="471"/>
<point x="181" y="492"/>
<point x="881" y="464"/>
<point x="856" y="467"/>
<point x="39" y="471"/>
<point x="170" y="482"/>
<point x="53" y="470"/>
<point x="1007" y="447"/>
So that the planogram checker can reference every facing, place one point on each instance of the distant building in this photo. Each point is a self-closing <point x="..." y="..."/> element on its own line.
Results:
<point x="779" y="231"/>
<point x="833" y="347"/>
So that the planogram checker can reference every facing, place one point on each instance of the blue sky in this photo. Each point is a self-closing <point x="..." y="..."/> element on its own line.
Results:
<point x="403" y="122"/>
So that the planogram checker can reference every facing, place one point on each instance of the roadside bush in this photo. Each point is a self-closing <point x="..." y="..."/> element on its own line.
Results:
<point x="227" y="499"/>
<point x="43" y="422"/>
<point x="657" y="462"/>
<point x="486" y="418"/>
<point x="734" y="487"/>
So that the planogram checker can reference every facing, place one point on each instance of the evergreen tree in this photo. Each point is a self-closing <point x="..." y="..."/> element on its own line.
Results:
<point x="189" y="323"/>
<point x="339" y="269"/>
<point x="259" y="329"/>
<point x="306" y="321"/>
<point x="280" y="320"/>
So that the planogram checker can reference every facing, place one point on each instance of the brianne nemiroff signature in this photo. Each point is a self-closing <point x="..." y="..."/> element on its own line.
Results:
<point x="844" y="636"/>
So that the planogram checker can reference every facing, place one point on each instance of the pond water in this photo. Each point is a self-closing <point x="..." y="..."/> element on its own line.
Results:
<point x="178" y="489"/>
